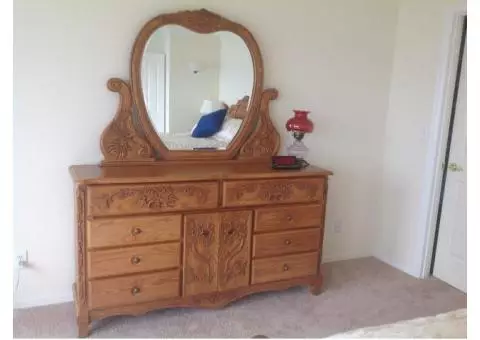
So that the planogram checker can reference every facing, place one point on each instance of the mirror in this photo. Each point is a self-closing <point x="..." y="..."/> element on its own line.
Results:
<point x="196" y="87"/>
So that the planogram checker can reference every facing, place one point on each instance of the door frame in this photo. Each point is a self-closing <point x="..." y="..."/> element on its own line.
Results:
<point x="439" y="134"/>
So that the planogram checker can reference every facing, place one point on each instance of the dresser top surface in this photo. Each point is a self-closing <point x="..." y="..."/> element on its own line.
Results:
<point x="96" y="174"/>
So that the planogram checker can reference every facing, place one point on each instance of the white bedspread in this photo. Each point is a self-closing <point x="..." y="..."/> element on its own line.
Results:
<point x="447" y="325"/>
<point x="184" y="141"/>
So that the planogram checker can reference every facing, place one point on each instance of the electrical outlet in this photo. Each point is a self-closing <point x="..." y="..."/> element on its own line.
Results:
<point x="22" y="259"/>
<point x="337" y="227"/>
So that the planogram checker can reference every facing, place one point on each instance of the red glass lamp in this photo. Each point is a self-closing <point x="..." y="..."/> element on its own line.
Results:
<point x="299" y="124"/>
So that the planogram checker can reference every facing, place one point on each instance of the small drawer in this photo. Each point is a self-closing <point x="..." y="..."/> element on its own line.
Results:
<point x="107" y="200"/>
<point x="133" y="230"/>
<point x="284" y="267"/>
<point x="269" y="219"/>
<point x="133" y="259"/>
<point x="286" y="242"/>
<point x="272" y="191"/>
<point x="133" y="289"/>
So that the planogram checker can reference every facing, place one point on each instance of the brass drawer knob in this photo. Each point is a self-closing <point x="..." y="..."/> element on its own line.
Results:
<point x="285" y="267"/>
<point x="135" y="290"/>
<point x="135" y="260"/>
<point x="288" y="242"/>
<point x="136" y="231"/>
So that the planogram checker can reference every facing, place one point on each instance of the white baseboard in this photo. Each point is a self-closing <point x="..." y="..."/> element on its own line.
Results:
<point x="326" y="258"/>
<point x="28" y="302"/>
<point x="43" y="301"/>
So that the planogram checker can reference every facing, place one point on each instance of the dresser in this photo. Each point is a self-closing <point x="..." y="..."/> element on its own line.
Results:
<point x="162" y="223"/>
<point x="170" y="236"/>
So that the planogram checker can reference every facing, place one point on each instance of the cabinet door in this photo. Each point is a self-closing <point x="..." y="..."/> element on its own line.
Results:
<point x="234" y="249"/>
<point x="200" y="260"/>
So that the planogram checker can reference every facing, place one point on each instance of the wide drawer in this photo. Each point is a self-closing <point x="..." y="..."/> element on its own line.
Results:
<point x="133" y="259"/>
<point x="268" y="219"/>
<point x="133" y="289"/>
<point x="286" y="242"/>
<point x="108" y="200"/>
<point x="284" y="267"/>
<point x="273" y="191"/>
<point x="133" y="230"/>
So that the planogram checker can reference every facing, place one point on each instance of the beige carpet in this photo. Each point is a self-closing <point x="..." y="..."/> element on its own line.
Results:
<point x="358" y="293"/>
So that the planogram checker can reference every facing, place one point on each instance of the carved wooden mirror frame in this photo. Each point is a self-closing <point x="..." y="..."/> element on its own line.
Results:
<point x="130" y="138"/>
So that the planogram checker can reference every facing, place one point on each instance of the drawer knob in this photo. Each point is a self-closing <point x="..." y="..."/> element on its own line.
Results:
<point x="285" y="267"/>
<point x="135" y="260"/>
<point x="289" y="218"/>
<point x="230" y="231"/>
<point x="135" y="290"/>
<point x="287" y="242"/>
<point x="136" y="231"/>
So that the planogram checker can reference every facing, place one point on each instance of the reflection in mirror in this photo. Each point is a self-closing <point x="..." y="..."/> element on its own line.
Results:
<point x="196" y="87"/>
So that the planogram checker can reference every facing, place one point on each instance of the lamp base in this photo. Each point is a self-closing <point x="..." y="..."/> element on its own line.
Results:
<point x="297" y="149"/>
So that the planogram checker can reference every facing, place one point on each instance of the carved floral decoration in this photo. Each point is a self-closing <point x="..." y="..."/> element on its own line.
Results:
<point x="155" y="196"/>
<point x="202" y="236"/>
<point x="233" y="253"/>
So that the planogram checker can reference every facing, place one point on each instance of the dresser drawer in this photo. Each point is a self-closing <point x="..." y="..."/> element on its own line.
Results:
<point x="268" y="219"/>
<point x="149" y="198"/>
<point x="272" y="191"/>
<point x="286" y="242"/>
<point x="133" y="289"/>
<point x="133" y="259"/>
<point x="284" y="267"/>
<point x="133" y="230"/>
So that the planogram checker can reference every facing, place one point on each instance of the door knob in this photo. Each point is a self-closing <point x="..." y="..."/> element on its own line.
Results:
<point x="454" y="167"/>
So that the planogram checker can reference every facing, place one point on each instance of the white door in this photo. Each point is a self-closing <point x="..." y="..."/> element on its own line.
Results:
<point x="451" y="255"/>
<point x="153" y="85"/>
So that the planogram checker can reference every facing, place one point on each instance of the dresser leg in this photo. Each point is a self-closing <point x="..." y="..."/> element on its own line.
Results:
<point x="317" y="285"/>
<point x="83" y="325"/>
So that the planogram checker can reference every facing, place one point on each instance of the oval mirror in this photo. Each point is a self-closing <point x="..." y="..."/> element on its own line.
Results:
<point x="196" y="86"/>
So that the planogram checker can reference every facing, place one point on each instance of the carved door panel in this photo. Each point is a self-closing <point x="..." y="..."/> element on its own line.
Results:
<point x="200" y="258"/>
<point x="234" y="249"/>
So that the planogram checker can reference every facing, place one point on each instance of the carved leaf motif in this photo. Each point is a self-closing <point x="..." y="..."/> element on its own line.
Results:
<point x="158" y="197"/>
<point x="121" y="195"/>
<point x="234" y="248"/>
<point x="265" y="140"/>
<point x="275" y="192"/>
<point x="120" y="140"/>
<point x="199" y="193"/>
<point x="267" y="191"/>
<point x="199" y="246"/>
<point x="203" y="233"/>
<point x="155" y="196"/>
<point x="202" y="21"/>
<point x="310" y="188"/>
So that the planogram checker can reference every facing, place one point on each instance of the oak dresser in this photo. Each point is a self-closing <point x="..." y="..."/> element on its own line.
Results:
<point x="160" y="228"/>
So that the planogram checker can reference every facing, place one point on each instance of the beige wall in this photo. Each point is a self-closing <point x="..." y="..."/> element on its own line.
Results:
<point x="236" y="69"/>
<point x="333" y="57"/>
<point x="189" y="90"/>
<point x="185" y="91"/>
